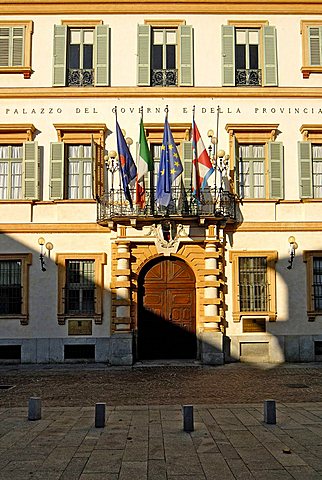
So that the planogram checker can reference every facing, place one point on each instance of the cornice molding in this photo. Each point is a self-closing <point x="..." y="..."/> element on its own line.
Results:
<point x="161" y="92"/>
<point x="57" y="7"/>
<point x="276" y="227"/>
<point x="6" y="228"/>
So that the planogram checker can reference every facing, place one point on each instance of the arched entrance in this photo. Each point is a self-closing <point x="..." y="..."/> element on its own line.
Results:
<point x="167" y="310"/>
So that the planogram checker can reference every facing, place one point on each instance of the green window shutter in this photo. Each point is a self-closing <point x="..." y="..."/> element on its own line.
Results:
<point x="186" y="55"/>
<point x="5" y="35"/>
<point x="270" y="57"/>
<point x="187" y="164"/>
<point x="60" y="49"/>
<point x="315" y="44"/>
<point x="11" y="46"/>
<point x="236" y="165"/>
<point x="305" y="167"/>
<point x="17" y="46"/>
<point x="276" y="179"/>
<point x="102" y="56"/>
<point x="228" y="55"/>
<point x="30" y="181"/>
<point x="56" y="170"/>
<point x="144" y="55"/>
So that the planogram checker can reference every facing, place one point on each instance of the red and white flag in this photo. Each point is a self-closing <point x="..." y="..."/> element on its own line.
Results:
<point x="201" y="165"/>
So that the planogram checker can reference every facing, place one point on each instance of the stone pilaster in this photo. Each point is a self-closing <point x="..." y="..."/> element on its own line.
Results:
<point x="122" y="300"/>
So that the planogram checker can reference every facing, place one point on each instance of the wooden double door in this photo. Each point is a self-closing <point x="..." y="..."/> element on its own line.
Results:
<point x="167" y="311"/>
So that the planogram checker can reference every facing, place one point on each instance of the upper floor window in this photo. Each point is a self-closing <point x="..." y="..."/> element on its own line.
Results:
<point x="81" y="54"/>
<point x="311" y="47"/>
<point x="310" y="162"/>
<point x="15" y="47"/>
<point x="165" y="54"/>
<point x="249" y="55"/>
<point x="257" y="161"/>
<point x="19" y="163"/>
<point x="77" y="162"/>
<point x="313" y="259"/>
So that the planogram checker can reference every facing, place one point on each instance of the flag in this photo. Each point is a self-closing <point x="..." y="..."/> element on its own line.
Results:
<point x="126" y="163"/>
<point x="201" y="164"/>
<point x="144" y="165"/>
<point x="170" y="167"/>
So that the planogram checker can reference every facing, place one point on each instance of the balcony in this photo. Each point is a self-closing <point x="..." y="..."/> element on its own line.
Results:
<point x="215" y="205"/>
<point x="248" y="77"/>
<point x="164" y="77"/>
<point x="80" y="77"/>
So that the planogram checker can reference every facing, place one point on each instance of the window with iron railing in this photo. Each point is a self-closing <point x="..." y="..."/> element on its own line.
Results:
<point x="10" y="287"/>
<point x="253" y="285"/>
<point x="80" y="287"/>
<point x="317" y="283"/>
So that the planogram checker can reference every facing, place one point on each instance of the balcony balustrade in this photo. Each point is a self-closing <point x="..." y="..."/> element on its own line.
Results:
<point x="80" y="77"/>
<point x="215" y="204"/>
<point x="164" y="77"/>
<point x="248" y="77"/>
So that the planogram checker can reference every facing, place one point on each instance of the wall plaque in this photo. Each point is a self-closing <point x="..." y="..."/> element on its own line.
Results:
<point x="79" y="327"/>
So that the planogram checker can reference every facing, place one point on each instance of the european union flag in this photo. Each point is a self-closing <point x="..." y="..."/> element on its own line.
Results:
<point x="127" y="166"/>
<point x="170" y="167"/>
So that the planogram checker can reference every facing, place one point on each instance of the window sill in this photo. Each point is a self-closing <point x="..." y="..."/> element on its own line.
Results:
<point x="76" y="200"/>
<point x="312" y="315"/>
<point x="21" y="317"/>
<point x="97" y="317"/>
<point x="259" y="200"/>
<point x="26" y="71"/>
<point x="311" y="200"/>
<point x="306" y="71"/>
<point x="237" y="316"/>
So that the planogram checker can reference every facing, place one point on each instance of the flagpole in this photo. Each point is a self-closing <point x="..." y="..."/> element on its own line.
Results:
<point x="120" y="180"/>
<point x="193" y="152"/>
<point x="215" y="151"/>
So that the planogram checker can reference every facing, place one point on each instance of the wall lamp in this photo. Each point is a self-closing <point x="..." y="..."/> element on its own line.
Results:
<point x="293" y="247"/>
<point x="49" y="246"/>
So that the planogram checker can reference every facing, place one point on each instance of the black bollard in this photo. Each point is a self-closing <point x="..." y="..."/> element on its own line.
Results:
<point x="188" y="418"/>
<point x="34" y="408"/>
<point x="270" y="412"/>
<point x="100" y="415"/>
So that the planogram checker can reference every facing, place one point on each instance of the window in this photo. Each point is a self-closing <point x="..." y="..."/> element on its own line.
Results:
<point x="19" y="163"/>
<point x="81" y="54"/>
<point x="14" y="286"/>
<point x="182" y="184"/>
<point x="311" y="47"/>
<point x="165" y="54"/>
<point x="254" y="284"/>
<point x="15" y="47"/>
<point x="80" y="286"/>
<point x="257" y="164"/>
<point x="249" y="55"/>
<point x="313" y="259"/>
<point x="310" y="161"/>
<point x="77" y="162"/>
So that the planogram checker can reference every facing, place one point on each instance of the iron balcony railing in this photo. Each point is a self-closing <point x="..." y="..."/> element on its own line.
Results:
<point x="249" y="77"/>
<point x="80" y="77"/>
<point x="164" y="77"/>
<point x="214" y="203"/>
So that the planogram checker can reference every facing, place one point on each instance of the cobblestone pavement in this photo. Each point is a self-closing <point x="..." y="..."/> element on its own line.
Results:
<point x="143" y="437"/>
<point x="85" y="385"/>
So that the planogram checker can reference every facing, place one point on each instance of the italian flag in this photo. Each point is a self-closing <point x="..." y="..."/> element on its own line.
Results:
<point x="144" y="165"/>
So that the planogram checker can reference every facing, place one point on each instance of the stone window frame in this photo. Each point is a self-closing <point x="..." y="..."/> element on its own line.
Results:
<point x="70" y="134"/>
<point x="308" y="256"/>
<point x="25" y="69"/>
<point x="306" y="68"/>
<point x="251" y="134"/>
<point x="16" y="134"/>
<point x="100" y="260"/>
<point x="271" y="257"/>
<point x="26" y="261"/>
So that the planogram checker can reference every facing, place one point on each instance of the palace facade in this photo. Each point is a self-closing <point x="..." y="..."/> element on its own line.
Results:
<point x="235" y="275"/>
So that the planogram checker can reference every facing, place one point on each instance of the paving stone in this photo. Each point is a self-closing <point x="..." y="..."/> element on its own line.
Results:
<point x="157" y="470"/>
<point x="104" y="461"/>
<point x="214" y="466"/>
<point x="134" y="471"/>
